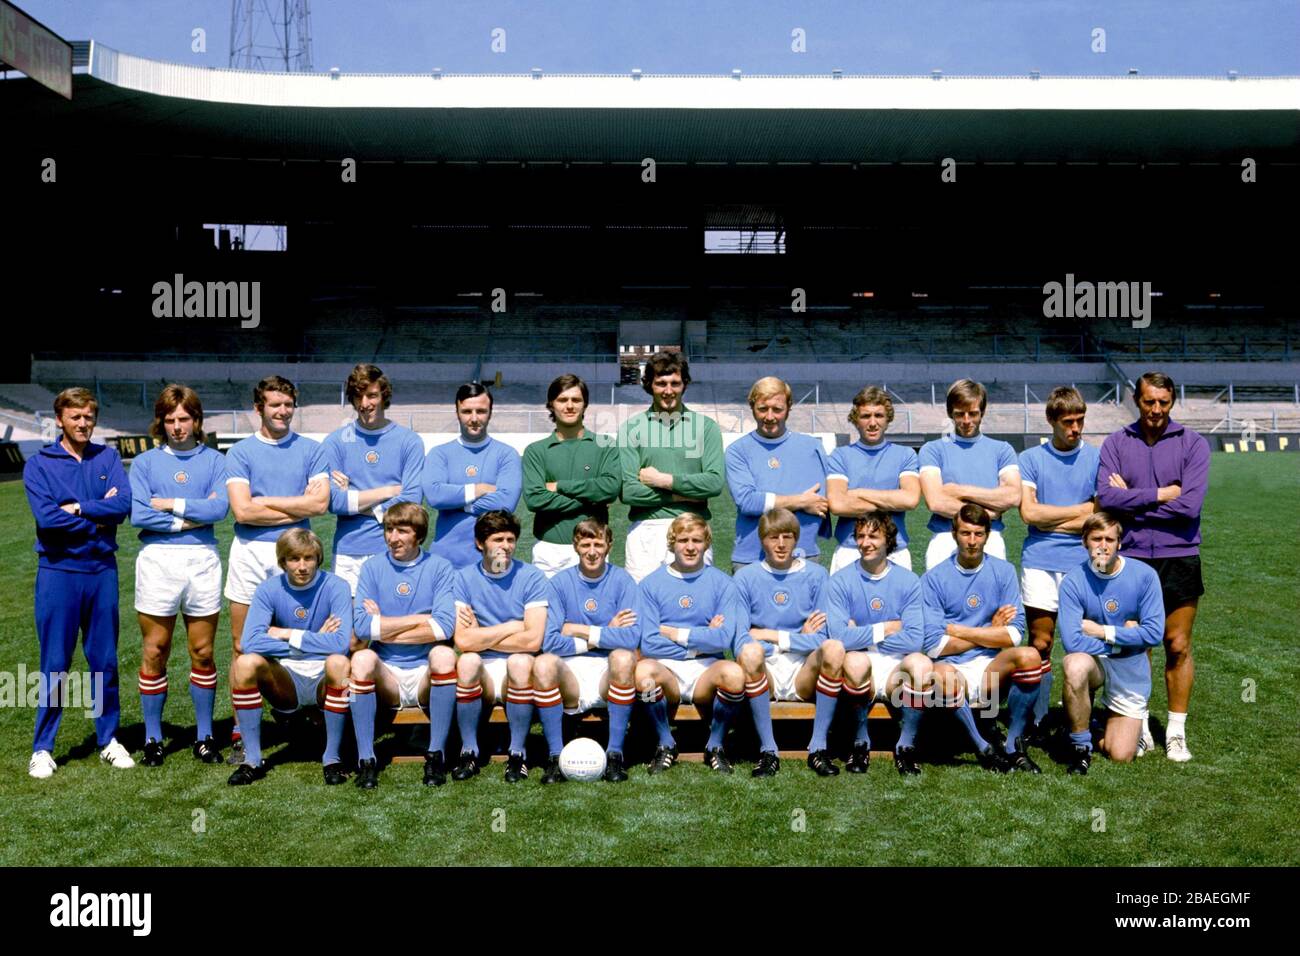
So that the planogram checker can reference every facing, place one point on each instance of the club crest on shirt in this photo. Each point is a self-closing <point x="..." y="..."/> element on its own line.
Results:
<point x="181" y="478"/>
<point x="876" y="604"/>
<point x="300" y="613"/>
<point x="774" y="463"/>
<point x="686" y="602"/>
<point x="590" y="605"/>
<point x="372" y="458"/>
<point x="972" y="601"/>
<point x="471" y="471"/>
<point x="404" y="588"/>
<point x="1112" y="606"/>
<point x="780" y="598"/>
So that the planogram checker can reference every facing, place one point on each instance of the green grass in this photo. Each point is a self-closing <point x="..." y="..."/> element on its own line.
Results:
<point x="1231" y="805"/>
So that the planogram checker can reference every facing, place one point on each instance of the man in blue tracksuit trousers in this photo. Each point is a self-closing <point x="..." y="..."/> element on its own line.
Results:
<point x="79" y="494"/>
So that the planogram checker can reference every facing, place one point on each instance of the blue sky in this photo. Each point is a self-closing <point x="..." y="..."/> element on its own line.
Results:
<point x="1173" y="37"/>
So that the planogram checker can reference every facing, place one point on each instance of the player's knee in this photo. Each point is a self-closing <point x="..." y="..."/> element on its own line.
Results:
<point x="645" y="676"/>
<point x="364" y="664"/>
<point x="622" y="665"/>
<point x="857" y="667"/>
<point x="519" y="669"/>
<point x="832" y="657"/>
<point x="442" y="660"/>
<point x="1027" y="656"/>
<point x="732" y="678"/>
<point x="1178" y="644"/>
<point x="918" y="665"/>
<point x="751" y="657"/>
<point x="244" y="668"/>
<point x="1077" y="668"/>
<point x="546" y="670"/>
<point x="1124" y="753"/>
<point x="1042" y="643"/>
<point x="337" y="668"/>
<point x="468" y="666"/>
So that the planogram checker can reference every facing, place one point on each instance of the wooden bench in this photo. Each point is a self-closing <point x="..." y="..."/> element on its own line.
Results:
<point x="781" y="710"/>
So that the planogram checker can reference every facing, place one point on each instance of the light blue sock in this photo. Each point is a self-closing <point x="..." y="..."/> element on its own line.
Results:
<point x="760" y="708"/>
<point x="519" y="715"/>
<point x="203" y="694"/>
<point x="153" y="697"/>
<point x="827" y="696"/>
<point x="363" y="706"/>
<point x="442" y="706"/>
<point x="658" y="710"/>
<point x="724" y="707"/>
<point x="469" y="708"/>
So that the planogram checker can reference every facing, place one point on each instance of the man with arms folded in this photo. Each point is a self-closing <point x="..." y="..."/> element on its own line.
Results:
<point x="967" y="467"/>
<point x="671" y="462"/>
<point x="770" y="468"/>
<point x="877" y="615"/>
<point x="405" y="608"/>
<point x="469" y="476"/>
<point x="569" y="476"/>
<point x="596" y="602"/>
<point x="689" y="614"/>
<point x="299" y="633"/>
<point x="869" y="476"/>
<point x="1153" y="477"/>
<point x="1058" y="480"/>
<point x="375" y="464"/>
<point x="784" y="649"/>
<point x="1112" y="611"/>
<point x="975" y="629"/>
<point x="276" y="479"/>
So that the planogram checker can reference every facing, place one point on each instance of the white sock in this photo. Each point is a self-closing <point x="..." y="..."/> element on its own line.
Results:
<point x="1146" y="726"/>
<point x="1177" y="725"/>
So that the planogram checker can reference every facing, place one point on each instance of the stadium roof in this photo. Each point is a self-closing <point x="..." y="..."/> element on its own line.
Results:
<point x="169" y="108"/>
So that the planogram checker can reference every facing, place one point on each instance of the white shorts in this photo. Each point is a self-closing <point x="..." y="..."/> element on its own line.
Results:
<point x="589" y="669"/>
<point x="307" y="676"/>
<point x="972" y="672"/>
<point x="551" y="559"/>
<point x="250" y="563"/>
<point x="1127" y="689"/>
<point x="782" y="667"/>
<point x="494" y="672"/>
<point x="942" y="546"/>
<point x="845" y="555"/>
<point x="882" y="668"/>
<point x="646" y="549"/>
<point x="178" y="577"/>
<point x="1041" y="589"/>
<point x="348" y="567"/>
<point x="408" y="681"/>
<point x="688" y="674"/>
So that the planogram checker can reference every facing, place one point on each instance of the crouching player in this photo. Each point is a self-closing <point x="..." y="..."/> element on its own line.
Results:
<point x="406" y="601"/>
<point x="295" y="646"/>
<point x="975" y="628"/>
<point x="1112" y="612"/>
<point x="784" y="651"/>
<point x="689" y="612"/>
<point x="596" y="602"/>
<point x="876" y="617"/>
<point x="502" y="619"/>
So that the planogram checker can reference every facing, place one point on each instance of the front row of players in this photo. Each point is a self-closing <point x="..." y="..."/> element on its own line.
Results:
<point x="782" y="628"/>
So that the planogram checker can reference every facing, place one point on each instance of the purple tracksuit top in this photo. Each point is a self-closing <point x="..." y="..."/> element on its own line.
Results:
<point x="1151" y="530"/>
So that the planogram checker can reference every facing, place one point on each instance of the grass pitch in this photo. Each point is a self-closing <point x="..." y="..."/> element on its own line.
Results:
<point x="1232" y="805"/>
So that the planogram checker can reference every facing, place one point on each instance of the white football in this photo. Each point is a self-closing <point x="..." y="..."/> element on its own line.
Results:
<point x="582" y="759"/>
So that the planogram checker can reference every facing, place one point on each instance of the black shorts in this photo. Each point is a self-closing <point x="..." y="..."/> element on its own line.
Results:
<point x="1180" y="578"/>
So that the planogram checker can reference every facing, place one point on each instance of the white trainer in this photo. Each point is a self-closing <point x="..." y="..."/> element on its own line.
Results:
<point x="116" y="755"/>
<point x="1176" y="749"/>
<point x="42" y="765"/>
<point x="1146" y="744"/>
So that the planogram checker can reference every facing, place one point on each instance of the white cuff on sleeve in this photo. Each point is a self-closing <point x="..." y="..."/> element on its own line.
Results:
<point x="438" y="632"/>
<point x="579" y="645"/>
<point x="469" y="494"/>
<point x="683" y="635"/>
<point x="769" y="501"/>
<point x="1016" y="637"/>
<point x="877" y="632"/>
<point x="593" y="635"/>
<point x="783" y="640"/>
<point x="375" y="628"/>
<point x="943" y="642"/>
<point x="177" y="523"/>
<point x="295" y="638"/>
<point x="178" y="507"/>
<point x="378" y="512"/>
<point x="1109" y="636"/>
<point x="690" y="655"/>
<point x="354" y="501"/>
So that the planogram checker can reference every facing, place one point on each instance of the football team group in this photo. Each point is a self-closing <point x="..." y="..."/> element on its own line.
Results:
<point x="1111" y="558"/>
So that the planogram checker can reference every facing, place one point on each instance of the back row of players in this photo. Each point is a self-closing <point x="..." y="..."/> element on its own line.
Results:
<point x="668" y="628"/>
